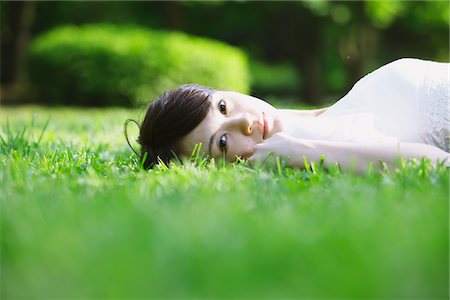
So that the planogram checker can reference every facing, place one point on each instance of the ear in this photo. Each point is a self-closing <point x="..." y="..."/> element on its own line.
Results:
<point x="125" y="131"/>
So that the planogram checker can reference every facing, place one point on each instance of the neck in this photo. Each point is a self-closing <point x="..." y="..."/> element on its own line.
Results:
<point x="291" y="118"/>
<point x="301" y="114"/>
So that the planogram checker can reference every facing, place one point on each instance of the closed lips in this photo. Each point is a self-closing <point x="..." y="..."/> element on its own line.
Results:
<point x="265" y="126"/>
<point x="262" y="125"/>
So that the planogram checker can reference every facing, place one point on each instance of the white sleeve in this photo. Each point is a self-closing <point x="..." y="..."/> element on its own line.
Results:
<point x="394" y="95"/>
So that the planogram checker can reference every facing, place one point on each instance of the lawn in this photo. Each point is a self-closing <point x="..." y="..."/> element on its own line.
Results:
<point x="80" y="219"/>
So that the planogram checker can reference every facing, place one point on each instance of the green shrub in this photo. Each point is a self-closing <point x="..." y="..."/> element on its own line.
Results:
<point x="119" y="65"/>
<point x="279" y="79"/>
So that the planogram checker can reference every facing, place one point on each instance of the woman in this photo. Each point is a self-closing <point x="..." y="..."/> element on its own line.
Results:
<point x="400" y="110"/>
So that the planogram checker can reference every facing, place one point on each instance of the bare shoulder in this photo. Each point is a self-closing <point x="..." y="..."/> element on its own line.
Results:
<point x="319" y="111"/>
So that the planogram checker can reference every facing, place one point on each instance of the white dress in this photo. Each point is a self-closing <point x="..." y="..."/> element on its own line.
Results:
<point x="407" y="100"/>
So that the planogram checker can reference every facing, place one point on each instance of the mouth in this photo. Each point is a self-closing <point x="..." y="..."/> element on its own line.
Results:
<point x="264" y="125"/>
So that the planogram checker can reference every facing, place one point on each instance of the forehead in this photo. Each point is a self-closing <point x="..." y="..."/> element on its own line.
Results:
<point x="203" y="132"/>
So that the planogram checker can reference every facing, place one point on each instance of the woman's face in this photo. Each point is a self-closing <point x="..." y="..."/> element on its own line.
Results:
<point x="234" y="124"/>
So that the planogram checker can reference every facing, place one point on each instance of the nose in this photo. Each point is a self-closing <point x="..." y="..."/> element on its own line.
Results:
<point x="243" y="123"/>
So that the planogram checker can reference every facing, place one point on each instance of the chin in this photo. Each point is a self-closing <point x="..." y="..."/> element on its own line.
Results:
<point x="246" y="155"/>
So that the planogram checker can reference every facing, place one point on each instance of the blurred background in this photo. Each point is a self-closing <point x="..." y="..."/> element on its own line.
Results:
<point x="127" y="53"/>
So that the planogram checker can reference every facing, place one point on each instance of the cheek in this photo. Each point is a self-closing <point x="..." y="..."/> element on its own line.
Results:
<point x="243" y="147"/>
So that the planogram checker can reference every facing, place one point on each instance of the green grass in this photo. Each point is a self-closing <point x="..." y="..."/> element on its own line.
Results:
<point x="80" y="219"/>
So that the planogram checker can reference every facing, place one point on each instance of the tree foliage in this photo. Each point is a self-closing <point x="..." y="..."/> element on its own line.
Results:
<point x="330" y="44"/>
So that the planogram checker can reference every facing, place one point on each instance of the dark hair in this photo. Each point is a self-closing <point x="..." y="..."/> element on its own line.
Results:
<point x="169" y="118"/>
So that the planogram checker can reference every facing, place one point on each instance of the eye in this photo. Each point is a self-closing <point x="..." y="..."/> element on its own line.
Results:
<point x="223" y="106"/>
<point x="223" y="142"/>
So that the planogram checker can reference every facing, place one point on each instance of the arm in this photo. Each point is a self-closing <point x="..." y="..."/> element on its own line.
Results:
<point x="348" y="155"/>
<point x="359" y="156"/>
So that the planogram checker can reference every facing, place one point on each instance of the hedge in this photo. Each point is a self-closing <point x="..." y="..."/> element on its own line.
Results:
<point x="105" y="64"/>
<point x="280" y="79"/>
